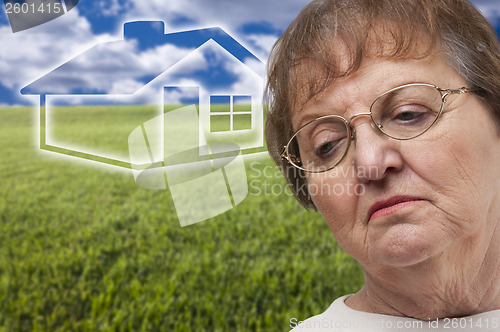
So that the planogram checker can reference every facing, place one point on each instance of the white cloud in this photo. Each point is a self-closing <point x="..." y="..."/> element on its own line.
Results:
<point x="231" y="13"/>
<point x="257" y="67"/>
<point x="115" y="66"/>
<point x="27" y="55"/>
<point x="11" y="105"/>
<point x="128" y="84"/>
<point x="125" y="65"/>
<point x="248" y="80"/>
<point x="110" y="8"/>
<point x="264" y="42"/>
<point x="162" y="57"/>
<point x="175" y="96"/>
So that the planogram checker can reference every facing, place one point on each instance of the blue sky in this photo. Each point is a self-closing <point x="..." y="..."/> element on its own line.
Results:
<point x="28" y="55"/>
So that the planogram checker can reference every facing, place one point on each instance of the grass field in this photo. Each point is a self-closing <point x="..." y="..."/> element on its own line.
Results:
<point x="84" y="249"/>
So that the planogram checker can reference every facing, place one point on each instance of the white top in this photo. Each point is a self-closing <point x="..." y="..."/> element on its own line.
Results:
<point x="340" y="318"/>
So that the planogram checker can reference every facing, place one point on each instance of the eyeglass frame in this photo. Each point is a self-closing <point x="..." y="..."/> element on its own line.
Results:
<point x="350" y="131"/>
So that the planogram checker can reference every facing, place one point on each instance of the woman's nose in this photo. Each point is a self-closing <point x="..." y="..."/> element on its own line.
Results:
<point x="375" y="154"/>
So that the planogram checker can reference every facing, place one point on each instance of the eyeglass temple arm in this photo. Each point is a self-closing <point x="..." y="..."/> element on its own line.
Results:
<point x="284" y="153"/>
<point x="448" y="92"/>
<point x="291" y="158"/>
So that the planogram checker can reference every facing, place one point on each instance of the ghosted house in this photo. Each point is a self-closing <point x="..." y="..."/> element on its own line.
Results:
<point x="116" y="86"/>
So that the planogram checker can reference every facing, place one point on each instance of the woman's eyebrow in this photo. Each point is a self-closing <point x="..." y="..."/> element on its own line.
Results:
<point x="308" y="114"/>
<point x="328" y="106"/>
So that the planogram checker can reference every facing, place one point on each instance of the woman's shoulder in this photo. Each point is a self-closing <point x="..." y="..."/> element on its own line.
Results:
<point x="341" y="318"/>
<point x="338" y="316"/>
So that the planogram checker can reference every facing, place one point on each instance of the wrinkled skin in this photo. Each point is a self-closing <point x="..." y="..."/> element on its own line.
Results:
<point x="440" y="255"/>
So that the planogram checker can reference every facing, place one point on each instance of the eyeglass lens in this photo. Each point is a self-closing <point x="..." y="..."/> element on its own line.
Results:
<point x="402" y="113"/>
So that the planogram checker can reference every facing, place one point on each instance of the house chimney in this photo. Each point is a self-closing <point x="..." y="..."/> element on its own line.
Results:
<point x="147" y="33"/>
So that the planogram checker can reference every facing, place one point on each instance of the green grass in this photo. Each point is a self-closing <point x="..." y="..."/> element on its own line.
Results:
<point x="103" y="129"/>
<point x="84" y="249"/>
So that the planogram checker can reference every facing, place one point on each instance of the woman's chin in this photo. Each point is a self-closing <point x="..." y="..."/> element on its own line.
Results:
<point x="405" y="245"/>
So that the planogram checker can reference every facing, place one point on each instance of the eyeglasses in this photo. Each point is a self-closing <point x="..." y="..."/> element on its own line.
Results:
<point x="402" y="113"/>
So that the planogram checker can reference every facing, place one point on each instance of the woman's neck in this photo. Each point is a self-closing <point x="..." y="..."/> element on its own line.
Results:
<point x="433" y="289"/>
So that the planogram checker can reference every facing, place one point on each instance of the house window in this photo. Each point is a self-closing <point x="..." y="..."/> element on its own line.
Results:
<point x="230" y="113"/>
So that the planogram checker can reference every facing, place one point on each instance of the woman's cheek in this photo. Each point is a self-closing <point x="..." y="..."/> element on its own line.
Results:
<point x="328" y="189"/>
<point x="336" y="200"/>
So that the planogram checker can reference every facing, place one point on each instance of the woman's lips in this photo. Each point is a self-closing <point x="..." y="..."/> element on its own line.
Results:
<point x="391" y="205"/>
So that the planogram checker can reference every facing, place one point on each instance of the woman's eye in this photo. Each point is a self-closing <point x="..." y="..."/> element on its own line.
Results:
<point x="327" y="149"/>
<point x="411" y="113"/>
<point x="407" y="116"/>
<point x="327" y="141"/>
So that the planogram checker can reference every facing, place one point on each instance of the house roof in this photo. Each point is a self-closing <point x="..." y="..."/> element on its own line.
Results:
<point x="147" y="35"/>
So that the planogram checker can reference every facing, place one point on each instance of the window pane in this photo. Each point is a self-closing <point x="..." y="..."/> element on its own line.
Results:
<point x="220" y="104"/>
<point x="220" y="123"/>
<point x="242" y="104"/>
<point x="242" y="121"/>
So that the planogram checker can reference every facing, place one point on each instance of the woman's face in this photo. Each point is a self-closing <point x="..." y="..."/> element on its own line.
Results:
<point x="399" y="203"/>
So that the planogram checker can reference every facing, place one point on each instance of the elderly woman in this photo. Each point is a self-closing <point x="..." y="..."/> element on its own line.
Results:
<point x="385" y="117"/>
